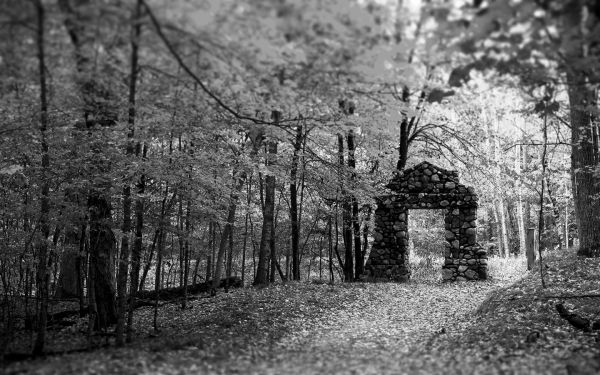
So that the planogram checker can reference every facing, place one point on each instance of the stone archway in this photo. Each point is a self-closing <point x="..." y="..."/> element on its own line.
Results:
<point x="426" y="186"/>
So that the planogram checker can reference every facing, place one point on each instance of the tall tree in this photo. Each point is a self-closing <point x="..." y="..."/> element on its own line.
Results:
<point x="294" y="205"/>
<point x="44" y="260"/>
<point x="126" y="228"/>
<point x="268" y="212"/>
<point x="98" y="110"/>
<point x="580" y="24"/>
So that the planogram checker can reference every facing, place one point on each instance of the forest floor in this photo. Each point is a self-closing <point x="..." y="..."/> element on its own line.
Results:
<point x="502" y="326"/>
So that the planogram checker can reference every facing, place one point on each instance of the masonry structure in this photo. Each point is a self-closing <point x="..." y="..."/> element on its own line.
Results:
<point x="426" y="186"/>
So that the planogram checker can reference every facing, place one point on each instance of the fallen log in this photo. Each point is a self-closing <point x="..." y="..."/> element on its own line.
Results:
<point x="145" y="299"/>
<point x="168" y="294"/>
<point x="576" y="320"/>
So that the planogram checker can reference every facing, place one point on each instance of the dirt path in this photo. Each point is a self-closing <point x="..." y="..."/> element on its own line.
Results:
<point x="358" y="328"/>
<point x="387" y="333"/>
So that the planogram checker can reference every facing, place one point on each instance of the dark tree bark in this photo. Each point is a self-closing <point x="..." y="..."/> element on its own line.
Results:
<point x="584" y="125"/>
<point x="358" y="254"/>
<point x="68" y="283"/>
<point x="268" y="214"/>
<point x="102" y="251"/>
<point x="404" y="134"/>
<point x="98" y="109"/>
<point x="330" y="248"/>
<point x="136" y="253"/>
<point x="125" y="251"/>
<point x="227" y="230"/>
<point x="148" y="261"/>
<point x="346" y="216"/>
<point x="248" y="196"/>
<point x="294" y="206"/>
<point x="273" y="254"/>
<point x="44" y="259"/>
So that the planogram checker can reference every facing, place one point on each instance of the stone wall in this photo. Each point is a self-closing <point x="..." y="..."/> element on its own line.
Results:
<point x="426" y="186"/>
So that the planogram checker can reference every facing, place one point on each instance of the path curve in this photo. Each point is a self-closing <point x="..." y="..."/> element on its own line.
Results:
<point x="387" y="333"/>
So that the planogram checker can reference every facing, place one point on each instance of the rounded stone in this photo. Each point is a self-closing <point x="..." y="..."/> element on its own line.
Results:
<point x="447" y="274"/>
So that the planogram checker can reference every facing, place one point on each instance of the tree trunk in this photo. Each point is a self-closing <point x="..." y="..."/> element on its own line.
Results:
<point x="346" y="216"/>
<point x="44" y="260"/>
<point x="98" y="109"/>
<point x="268" y="215"/>
<point x="124" y="259"/>
<point x="102" y="251"/>
<point x="246" y="230"/>
<point x="186" y="254"/>
<point x="404" y="134"/>
<point x="233" y="201"/>
<point x="503" y="227"/>
<point x="584" y="154"/>
<point x="294" y="206"/>
<point x="136" y="253"/>
<point x="358" y="255"/>
<point x="68" y="283"/>
<point x="261" y="277"/>
<point x="149" y="261"/>
<point x="330" y="249"/>
<point x="520" y="219"/>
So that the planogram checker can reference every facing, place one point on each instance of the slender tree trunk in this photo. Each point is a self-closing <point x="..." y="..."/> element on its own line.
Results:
<point x="158" y="276"/>
<point x="268" y="215"/>
<point x="274" y="265"/>
<point x="246" y="230"/>
<point x="186" y="254"/>
<point x="520" y="218"/>
<point x="209" y="258"/>
<point x="294" y="206"/>
<point x="543" y="179"/>
<point x="44" y="261"/>
<point x="330" y="252"/>
<point x="158" y="280"/>
<point x="404" y="134"/>
<point x="149" y="261"/>
<point x="358" y="255"/>
<point x="504" y="227"/>
<point x="124" y="258"/>
<point x="346" y="216"/>
<point x="136" y="253"/>
<point x="233" y="200"/>
<point x="80" y="264"/>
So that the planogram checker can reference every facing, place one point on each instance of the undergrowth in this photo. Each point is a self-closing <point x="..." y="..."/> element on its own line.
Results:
<point x="428" y="267"/>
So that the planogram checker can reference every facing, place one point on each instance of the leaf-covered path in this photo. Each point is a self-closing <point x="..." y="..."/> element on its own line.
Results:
<point x="505" y="326"/>
<point x="385" y="330"/>
<point x="381" y="333"/>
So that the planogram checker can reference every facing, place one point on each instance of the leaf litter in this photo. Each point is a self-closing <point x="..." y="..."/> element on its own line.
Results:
<point x="502" y="326"/>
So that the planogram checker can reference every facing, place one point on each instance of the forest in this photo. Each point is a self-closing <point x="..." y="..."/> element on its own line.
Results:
<point x="198" y="186"/>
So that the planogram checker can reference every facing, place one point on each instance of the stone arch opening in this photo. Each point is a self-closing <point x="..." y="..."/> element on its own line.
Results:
<point x="426" y="243"/>
<point x="426" y="186"/>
